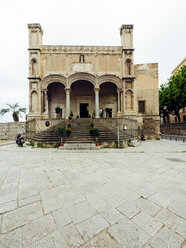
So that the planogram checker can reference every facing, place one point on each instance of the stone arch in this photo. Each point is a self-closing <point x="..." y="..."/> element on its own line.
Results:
<point x="129" y="96"/>
<point x="34" y="101"/>
<point x="110" y="78"/>
<point x="128" y="63"/>
<point x="33" y="66"/>
<point x="82" y="76"/>
<point x="53" y="78"/>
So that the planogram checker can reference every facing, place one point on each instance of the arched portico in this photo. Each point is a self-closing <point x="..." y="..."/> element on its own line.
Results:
<point x="81" y="76"/>
<point x="53" y="78"/>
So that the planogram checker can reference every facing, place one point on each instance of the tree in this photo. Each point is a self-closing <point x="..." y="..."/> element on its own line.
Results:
<point x="172" y="95"/>
<point x="15" y="109"/>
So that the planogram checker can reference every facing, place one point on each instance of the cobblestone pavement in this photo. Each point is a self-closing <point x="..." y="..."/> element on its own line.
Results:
<point x="134" y="197"/>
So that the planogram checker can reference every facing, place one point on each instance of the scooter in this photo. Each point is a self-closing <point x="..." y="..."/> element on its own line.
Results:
<point x="20" y="140"/>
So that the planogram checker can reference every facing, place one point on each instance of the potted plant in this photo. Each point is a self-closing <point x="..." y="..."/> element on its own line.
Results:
<point x="93" y="115"/>
<point x="58" y="112"/>
<point x="71" y="114"/>
<point x="70" y="118"/>
<point x="61" y="134"/>
<point x="69" y="126"/>
<point x="68" y="132"/>
<point x="92" y="125"/>
<point x="96" y="134"/>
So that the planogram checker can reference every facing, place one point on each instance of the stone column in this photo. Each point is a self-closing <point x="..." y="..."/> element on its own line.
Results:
<point x="45" y="103"/>
<point x="67" y="102"/>
<point x="119" y="100"/>
<point x="96" y="90"/>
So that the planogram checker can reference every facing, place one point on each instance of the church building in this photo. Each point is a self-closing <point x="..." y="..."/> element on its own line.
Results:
<point x="100" y="81"/>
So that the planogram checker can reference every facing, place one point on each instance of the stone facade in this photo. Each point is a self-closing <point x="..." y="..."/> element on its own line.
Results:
<point x="85" y="79"/>
<point x="8" y="131"/>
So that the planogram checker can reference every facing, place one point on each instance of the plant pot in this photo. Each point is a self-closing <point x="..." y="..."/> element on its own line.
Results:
<point x="61" y="144"/>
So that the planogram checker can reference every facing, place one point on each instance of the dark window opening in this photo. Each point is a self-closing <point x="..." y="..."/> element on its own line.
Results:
<point x="141" y="107"/>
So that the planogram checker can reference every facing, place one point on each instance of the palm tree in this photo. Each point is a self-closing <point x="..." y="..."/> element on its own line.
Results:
<point x="15" y="109"/>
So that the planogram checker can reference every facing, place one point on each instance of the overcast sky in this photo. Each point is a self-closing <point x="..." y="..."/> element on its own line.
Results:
<point x="159" y="34"/>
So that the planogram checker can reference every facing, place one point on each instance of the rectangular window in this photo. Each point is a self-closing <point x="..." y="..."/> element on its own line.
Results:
<point x="141" y="107"/>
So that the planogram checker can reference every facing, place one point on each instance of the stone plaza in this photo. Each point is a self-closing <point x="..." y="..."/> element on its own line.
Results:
<point x="133" y="197"/>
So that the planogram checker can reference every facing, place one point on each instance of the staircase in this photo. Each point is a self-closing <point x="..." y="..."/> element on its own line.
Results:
<point x="80" y="133"/>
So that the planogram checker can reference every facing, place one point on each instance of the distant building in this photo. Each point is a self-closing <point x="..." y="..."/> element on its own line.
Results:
<point x="86" y="79"/>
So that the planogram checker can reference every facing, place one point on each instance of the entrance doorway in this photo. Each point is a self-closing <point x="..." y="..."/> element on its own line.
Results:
<point x="83" y="110"/>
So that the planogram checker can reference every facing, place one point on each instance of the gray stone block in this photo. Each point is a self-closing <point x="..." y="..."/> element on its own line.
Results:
<point x="128" y="209"/>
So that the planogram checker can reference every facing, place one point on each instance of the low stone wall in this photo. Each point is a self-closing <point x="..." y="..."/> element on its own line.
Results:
<point x="9" y="130"/>
<point x="174" y="128"/>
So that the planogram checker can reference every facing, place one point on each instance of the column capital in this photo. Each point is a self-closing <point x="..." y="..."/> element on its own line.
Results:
<point x="119" y="90"/>
<point x="96" y="89"/>
<point x="68" y="90"/>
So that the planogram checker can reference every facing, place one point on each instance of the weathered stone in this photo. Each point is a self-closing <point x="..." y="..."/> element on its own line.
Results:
<point x="168" y="218"/>
<point x="102" y="240"/>
<point x="61" y="217"/>
<point x="21" y="216"/>
<point x="147" y="206"/>
<point x="8" y="206"/>
<point x="181" y="228"/>
<point x="128" y="234"/>
<point x="178" y="207"/>
<point x="111" y="215"/>
<point x="81" y="211"/>
<point x="128" y="209"/>
<point x="91" y="227"/>
<point x="71" y="235"/>
<point x="29" y="200"/>
<point x="46" y="242"/>
<point x="147" y="223"/>
<point x="38" y="229"/>
<point x="161" y="199"/>
<point x="166" y="238"/>
<point x="59" y="240"/>
<point x="8" y="198"/>
<point x="11" y="240"/>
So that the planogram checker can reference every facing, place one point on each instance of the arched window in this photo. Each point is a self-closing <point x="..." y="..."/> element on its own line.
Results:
<point x="33" y="66"/>
<point x="128" y="66"/>
<point x="81" y="58"/>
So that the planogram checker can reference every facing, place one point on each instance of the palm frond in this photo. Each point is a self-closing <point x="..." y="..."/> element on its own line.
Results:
<point x="4" y="111"/>
<point x="23" y="110"/>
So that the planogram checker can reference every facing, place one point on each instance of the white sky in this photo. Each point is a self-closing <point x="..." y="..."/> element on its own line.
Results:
<point x="159" y="34"/>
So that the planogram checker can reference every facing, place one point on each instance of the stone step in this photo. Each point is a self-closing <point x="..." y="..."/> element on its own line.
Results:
<point x="78" y="146"/>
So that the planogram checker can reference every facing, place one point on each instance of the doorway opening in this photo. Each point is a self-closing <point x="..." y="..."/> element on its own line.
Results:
<point x="84" y="110"/>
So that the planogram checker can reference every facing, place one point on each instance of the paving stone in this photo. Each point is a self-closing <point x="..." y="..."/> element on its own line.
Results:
<point x="1" y="217"/>
<point x="178" y="207"/>
<point x="21" y="216"/>
<point x="11" y="240"/>
<point x="113" y="199"/>
<point x="128" y="209"/>
<point x="166" y="238"/>
<point x="111" y="215"/>
<point x="168" y="218"/>
<point x="71" y="235"/>
<point x="46" y="242"/>
<point x="147" y="206"/>
<point x="8" y="206"/>
<point x="181" y="228"/>
<point x="61" y="217"/>
<point x="102" y="240"/>
<point x="59" y="240"/>
<point x="38" y="229"/>
<point x="29" y="200"/>
<point x="52" y="204"/>
<point x="91" y="227"/>
<point x="160" y="199"/>
<point x="8" y="197"/>
<point x="72" y="197"/>
<point x="128" y="234"/>
<point x="81" y="211"/>
<point x="147" y="223"/>
<point x="131" y="196"/>
<point x="97" y="202"/>
<point x="28" y="191"/>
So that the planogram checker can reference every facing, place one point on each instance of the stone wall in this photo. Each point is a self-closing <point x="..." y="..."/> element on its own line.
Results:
<point x="9" y="130"/>
<point x="174" y="128"/>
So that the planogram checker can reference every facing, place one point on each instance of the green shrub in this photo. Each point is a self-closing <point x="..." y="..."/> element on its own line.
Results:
<point x="40" y="145"/>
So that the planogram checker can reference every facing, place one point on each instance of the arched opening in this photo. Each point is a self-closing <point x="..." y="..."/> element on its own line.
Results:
<point x="108" y="99"/>
<point x="33" y="66"/>
<point x="129" y="100"/>
<point x="82" y="97"/>
<point x="34" y="101"/>
<point x="128" y="66"/>
<point x="56" y="98"/>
